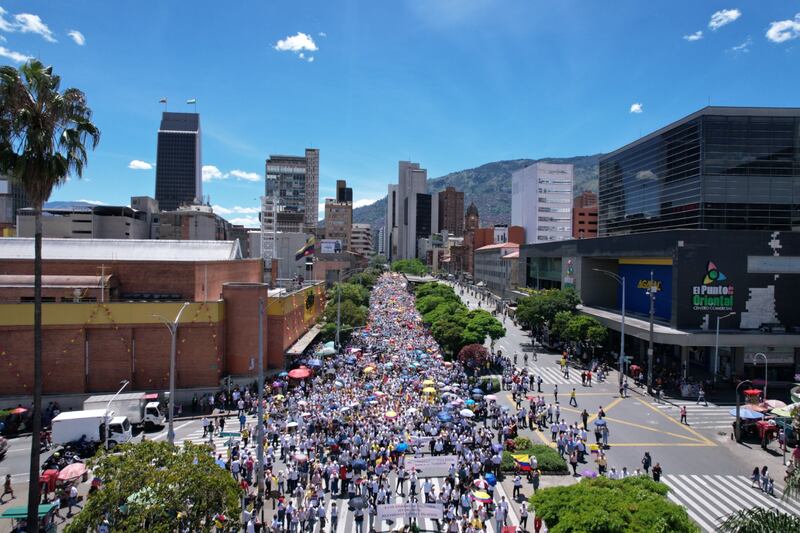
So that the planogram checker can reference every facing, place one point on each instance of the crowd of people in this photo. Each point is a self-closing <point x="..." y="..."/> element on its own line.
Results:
<point x="346" y="432"/>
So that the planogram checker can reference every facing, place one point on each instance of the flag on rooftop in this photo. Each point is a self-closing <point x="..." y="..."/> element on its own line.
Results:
<point x="191" y="101"/>
<point x="306" y="250"/>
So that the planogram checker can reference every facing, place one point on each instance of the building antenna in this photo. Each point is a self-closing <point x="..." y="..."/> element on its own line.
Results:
<point x="709" y="100"/>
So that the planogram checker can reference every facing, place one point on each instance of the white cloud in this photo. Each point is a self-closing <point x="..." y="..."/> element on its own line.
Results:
<point x="5" y="25"/>
<point x="242" y="175"/>
<point x="78" y="37"/>
<point x="296" y="43"/>
<point x="363" y="202"/>
<point x="210" y="172"/>
<point x="236" y="209"/>
<point x="781" y="31"/>
<point x="696" y="36"/>
<point x="27" y="23"/>
<point x="301" y="55"/>
<point x="723" y="17"/>
<point x="321" y="211"/>
<point x="250" y="222"/>
<point x="13" y="56"/>
<point x="139" y="165"/>
<point x="93" y="202"/>
<point x="2" y="39"/>
<point x="322" y="34"/>
<point x="637" y="108"/>
<point x="744" y="47"/>
<point x="311" y="59"/>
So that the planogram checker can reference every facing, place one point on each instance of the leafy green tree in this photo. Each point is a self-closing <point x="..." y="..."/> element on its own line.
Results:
<point x="415" y="267"/>
<point x="44" y="137"/>
<point x="353" y="315"/>
<point x="448" y="308"/>
<point x="433" y="288"/>
<point x="378" y="262"/>
<point x="155" y="487"/>
<point x="603" y="505"/>
<point x="540" y="309"/>
<point x="560" y="325"/>
<point x="449" y="332"/>
<point x="426" y="304"/>
<point x="354" y="292"/>
<point x="482" y="323"/>
<point x="366" y="279"/>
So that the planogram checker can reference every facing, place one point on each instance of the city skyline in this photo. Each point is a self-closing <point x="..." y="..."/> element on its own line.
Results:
<point x="368" y="84"/>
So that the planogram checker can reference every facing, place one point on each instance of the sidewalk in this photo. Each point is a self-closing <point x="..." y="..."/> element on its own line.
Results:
<point x="21" y="498"/>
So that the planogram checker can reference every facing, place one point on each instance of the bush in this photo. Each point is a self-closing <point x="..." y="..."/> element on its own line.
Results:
<point x="415" y="267"/>
<point x="494" y="381"/>
<point x="549" y="460"/>
<point x="632" y="504"/>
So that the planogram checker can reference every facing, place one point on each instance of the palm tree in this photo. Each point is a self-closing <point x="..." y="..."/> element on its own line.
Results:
<point x="758" y="520"/>
<point x="43" y="136"/>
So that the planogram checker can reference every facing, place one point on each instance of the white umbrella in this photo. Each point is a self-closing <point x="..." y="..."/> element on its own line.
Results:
<point x="466" y="413"/>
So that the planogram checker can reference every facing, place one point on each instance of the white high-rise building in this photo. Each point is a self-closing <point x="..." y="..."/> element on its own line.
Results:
<point x="409" y="212"/>
<point x="541" y="201"/>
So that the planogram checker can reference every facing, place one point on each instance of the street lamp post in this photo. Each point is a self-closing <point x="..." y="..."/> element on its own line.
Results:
<point x="260" y="428"/>
<point x="173" y="330"/>
<point x="621" y="280"/>
<point x="716" y="347"/>
<point x="765" y="371"/>
<point x="737" y="430"/>
<point x="651" y="293"/>
<point x="125" y="383"/>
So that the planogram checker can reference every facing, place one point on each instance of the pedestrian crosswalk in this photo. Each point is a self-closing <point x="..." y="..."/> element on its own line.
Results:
<point x="553" y="375"/>
<point x="346" y="519"/>
<point x="699" y="416"/>
<point x="220" y="442"/>
<point x="709" y="498"/>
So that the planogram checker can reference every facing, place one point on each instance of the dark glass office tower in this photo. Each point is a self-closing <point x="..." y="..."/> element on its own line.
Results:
<point x="718" y="168"/>
<point x="178" y="162"/>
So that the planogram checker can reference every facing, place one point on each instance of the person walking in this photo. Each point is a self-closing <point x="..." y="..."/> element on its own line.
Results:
<point x="585" y="419"/>
<point x="683" y="415"/>
<point x="555" y="393"/>
<point x="572" y="400"/>
<point x="205" y="426"/>
<point x="657" y="472"/>
<point x="517" y="486"/>
<point x="523" y="516"/>
<point x="701" y="396"/>
<point x="8" y="490"/>
<point x="537" y="524"/>
<point x="647" y="461"/>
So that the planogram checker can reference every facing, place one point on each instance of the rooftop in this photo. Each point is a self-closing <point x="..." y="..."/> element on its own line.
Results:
<point x="498" y="246"/>
<point x="121" y="250"/>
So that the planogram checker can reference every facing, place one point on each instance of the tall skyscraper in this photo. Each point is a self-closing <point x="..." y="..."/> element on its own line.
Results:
<point x="541" y="201"/>
<point x="339" y="215"/>
<point x="179" y="161"/>
<point x="451" y="211"/>
<point x="343" y="192"/>
<point x="409" y="213"/>
<point x="293" y="181"/>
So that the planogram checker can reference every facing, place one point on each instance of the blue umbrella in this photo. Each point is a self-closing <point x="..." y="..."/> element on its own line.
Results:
<point x="476" y="390"/>
<point x="401" y="447"/>
<point x="470" y="402"/>
<point x="330" y="442"/>
<point x="368" y="386"/>
<point x="350" y="360"/>
<point x="599" y="422"/>
<point x="315" y="362"/>
<point x="283" y="374"/>
<point x="747" y="414"/>
<point x="444" y="416"/>
<point x="370" y="399"/>
<point x="490" y="479"/>
<point x="360" y="464"/>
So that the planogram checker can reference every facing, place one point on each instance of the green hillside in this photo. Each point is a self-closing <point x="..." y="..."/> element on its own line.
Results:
<point x="489" y="186"/>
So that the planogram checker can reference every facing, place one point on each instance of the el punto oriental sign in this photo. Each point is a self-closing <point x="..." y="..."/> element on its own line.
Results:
<point x="716" y="292"/>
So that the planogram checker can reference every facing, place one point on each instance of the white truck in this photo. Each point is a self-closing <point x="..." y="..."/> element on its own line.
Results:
<point x="139" y="407"/>
<point x="90" y="425"/>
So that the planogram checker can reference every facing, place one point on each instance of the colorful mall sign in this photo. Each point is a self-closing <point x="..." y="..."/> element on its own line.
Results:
<point x="713" y="294"/>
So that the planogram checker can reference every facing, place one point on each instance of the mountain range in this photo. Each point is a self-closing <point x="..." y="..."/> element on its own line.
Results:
<point x="489" y="187"/>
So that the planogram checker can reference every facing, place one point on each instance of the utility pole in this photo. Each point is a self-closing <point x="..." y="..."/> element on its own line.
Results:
<point x="260" y="411"/>
<point x="652" y="291"/>
<point x="338" y="309"/>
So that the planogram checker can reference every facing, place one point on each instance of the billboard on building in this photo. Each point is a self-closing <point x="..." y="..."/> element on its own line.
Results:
<point x="637" y="280"/>
<point x="331" y="246"/>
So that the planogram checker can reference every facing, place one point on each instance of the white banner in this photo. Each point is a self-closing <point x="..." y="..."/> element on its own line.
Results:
<point x="430" y="465"/>
<point x="393" y="511"/>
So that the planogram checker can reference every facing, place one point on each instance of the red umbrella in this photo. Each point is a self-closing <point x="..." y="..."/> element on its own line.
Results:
<point x="300" y="373"/>
<point x="73" y="471"/>
<point x="18" y="411"/>
<point x="752" y="392"/>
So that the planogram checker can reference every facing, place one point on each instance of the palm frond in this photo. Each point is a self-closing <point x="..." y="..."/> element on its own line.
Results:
<point x="759" y="520"/>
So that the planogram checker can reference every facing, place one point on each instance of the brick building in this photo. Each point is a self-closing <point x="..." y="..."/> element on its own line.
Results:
<point x="584" y="216"/>
<point x="101" y="314"/>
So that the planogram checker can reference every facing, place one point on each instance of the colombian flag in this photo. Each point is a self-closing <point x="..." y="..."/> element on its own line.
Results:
<point x="523" y="462"/>
<point x="306" y="250"/>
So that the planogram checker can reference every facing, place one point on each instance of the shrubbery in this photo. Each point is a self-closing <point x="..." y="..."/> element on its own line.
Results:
<point x="549" y="460"/>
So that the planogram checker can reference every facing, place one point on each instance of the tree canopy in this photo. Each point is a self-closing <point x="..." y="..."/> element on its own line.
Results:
<point x="147" y="486"/>
<point x="355" y="292"/>
<point x="415" y="267"/>
<point x="473" y="356"/>
<point x="603" y="505"/>
<point x="540" y="308"/>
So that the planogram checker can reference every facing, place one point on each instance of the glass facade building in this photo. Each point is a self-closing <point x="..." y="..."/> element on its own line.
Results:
<point x="178" y="161"/>
<point x="719" y="168"/>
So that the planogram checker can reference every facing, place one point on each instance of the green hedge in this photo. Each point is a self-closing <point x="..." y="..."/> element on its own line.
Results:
<point x="634" y="504"/>
<point x="495" y="384"/>
<point x="549" y="460"/>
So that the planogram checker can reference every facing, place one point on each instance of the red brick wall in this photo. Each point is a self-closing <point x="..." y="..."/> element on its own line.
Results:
<point x="516" y="234"/>
<point x="63" y="354"/>
<point x="241" y="325"/>
<point x="217" y="273"/>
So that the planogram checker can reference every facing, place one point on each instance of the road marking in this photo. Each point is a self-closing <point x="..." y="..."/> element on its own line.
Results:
<point x="682" y="426"/>
<point x="640" y="426"/>
<point x="164" y="433"/>
<point x="607" y="408"/>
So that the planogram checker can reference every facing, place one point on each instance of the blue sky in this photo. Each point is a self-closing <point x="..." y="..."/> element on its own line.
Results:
<point x="449" y="83"/>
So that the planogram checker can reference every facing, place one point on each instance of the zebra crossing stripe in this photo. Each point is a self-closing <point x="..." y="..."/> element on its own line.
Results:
<point x="708" y="498"/>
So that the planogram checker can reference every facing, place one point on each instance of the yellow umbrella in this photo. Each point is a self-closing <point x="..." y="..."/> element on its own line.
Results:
<point x="428" y="382"/>
<point x="278" y="397"/>
<point x="391" y="414"/>
<point x="429" y="390"/>
<point x="369" y="369"/>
